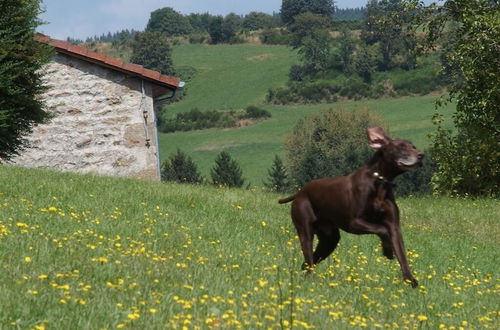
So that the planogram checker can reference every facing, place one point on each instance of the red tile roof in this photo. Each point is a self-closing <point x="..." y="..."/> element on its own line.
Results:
<point x="111" y="62"/>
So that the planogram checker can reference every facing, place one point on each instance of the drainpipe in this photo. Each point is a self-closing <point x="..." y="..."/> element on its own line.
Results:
<point x="158" y="102"/>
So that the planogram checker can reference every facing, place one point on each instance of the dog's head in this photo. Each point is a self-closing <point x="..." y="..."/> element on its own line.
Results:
<point x="400" y="152"/>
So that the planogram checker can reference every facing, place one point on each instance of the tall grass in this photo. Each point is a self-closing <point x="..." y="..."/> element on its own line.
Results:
<point x="92" y="252"/>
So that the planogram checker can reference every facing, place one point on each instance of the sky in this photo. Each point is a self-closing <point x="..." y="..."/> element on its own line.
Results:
<point x="81" y="19"/>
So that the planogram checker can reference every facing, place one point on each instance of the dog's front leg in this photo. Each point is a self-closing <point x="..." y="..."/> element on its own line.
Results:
<point x="392" y="223"/>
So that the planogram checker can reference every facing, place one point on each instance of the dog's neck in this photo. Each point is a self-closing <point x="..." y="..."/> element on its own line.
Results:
<point x="384" y="168"/>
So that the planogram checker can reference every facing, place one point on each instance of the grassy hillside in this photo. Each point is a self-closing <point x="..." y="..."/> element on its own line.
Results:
<point x="231" y="76"/>
<point x="91" y="252"/>
<point x="254" y="146"/>
<point x="236" y="76"/>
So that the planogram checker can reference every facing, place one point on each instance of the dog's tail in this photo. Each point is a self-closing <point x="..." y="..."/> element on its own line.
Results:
<point x="286" y="200"/>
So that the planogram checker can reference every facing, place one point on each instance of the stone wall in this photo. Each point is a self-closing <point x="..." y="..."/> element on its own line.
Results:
<point x="98" y="124"/>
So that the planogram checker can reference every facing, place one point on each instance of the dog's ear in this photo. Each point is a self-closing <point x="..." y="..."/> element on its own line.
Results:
<point x="377" y="137"/>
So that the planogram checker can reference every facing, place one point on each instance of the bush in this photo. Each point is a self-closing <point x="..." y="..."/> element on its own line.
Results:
<point x="253" y="112"/>
<point x="198" y="38"/>
<point x="419" y="81"/>
<point x="297" y="73"/>
<point x="196" y="119"/>
<point x="226" y="171"/>
<point x="331" y="143"/>
<point x="355" y="88"/>
<point x="180" y="168"/>
<point x="275" y="37"/>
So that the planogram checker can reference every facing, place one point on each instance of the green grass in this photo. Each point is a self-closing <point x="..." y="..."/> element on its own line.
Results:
<point x="230" y="76"/>
<point x="254" y="146"/>
<point x="236" y="76"/>
<point x="92" y="252"/>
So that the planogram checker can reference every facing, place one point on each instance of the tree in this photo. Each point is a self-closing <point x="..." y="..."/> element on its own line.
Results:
<point x="292" y="8"/>
<point x="331" y="143"/>
<point x="322" y="7"/>
<point x="180" y="168"/>
<point x="277" y="177"/>
<point x="469" y="157"/>
<point x="226" y="171"/>
<point x="153" y="51"/>
<point x="169" y="22"/>
<point x="21" y="76"/>
<point x="346" y="47"/>
<point x="310" y="35"/>
<point x="230" y="26"/>
<point x="200" y="22"/>
<point x="258" y="21"/>
<point x="388" y="23"/>
<point x="365" y="63"/>
<point x="215" y="30"/>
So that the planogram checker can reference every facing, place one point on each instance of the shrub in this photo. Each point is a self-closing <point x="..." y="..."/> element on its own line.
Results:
<point x="275" y="37"/>
<point x="253" y="112"/>
<point x="282" y="95"/>
<point x="226" y="171"/>
<point x="297" y="73"/>
<point x="330" y="143"/>
<point x="180" y="168"/>
<point x="355" y="88"/>
<point x="196" y="119"/>
<point x="198" y="38"/>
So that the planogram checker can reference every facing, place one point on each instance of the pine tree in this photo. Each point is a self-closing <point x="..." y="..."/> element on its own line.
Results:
<point x="226" y="171"/>
<point x="277" y="177"/>
<point x="21" y="77"/>
<point x="179" y="167"/>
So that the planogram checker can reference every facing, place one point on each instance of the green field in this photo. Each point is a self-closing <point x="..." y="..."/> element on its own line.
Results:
<point x="231" y="76"/>
<point x="234" y="77"/>
<point x="99" y="253"/>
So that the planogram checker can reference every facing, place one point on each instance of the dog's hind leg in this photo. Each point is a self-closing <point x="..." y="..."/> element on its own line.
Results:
<point x="327" y="242"/>
<point x="387" y="249"/>
<point x="303" y="217"/>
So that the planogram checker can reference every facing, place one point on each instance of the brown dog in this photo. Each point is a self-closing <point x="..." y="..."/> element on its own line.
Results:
<point x="359" y="203"/>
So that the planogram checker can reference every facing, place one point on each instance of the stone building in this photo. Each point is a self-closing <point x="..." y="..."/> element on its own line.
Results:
<point x="103" y="115"/>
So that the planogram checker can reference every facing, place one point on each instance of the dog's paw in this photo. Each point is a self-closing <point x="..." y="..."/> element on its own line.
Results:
<point x="388" y="252"/>
<point x="389" y="255"/>
<point x="413" y="282"/>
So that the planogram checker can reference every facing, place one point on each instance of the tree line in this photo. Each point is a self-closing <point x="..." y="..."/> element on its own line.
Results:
<point x="465" y="31"/>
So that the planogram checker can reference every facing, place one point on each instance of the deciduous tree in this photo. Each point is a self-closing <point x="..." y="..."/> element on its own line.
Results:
<point x="311" y="37"/>
<point x="152" y="50"/>
<point x="168" y="21"/>
<point x="469" y="157"/>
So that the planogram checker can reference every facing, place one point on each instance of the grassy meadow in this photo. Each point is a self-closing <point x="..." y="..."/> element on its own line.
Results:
<point x="236" y="76"/>
<point x="99" y="253"/>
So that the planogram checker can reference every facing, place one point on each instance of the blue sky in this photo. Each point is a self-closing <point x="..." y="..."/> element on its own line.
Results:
<point x="86" y="18"/>
<point x="81" y="19"/>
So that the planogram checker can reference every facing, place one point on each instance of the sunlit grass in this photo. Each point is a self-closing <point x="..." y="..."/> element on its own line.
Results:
<point x="237" y="76"/>
<point x="92" y="252"/>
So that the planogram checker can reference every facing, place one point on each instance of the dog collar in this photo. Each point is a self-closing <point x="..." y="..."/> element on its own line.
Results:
<point x="383" y="180"/>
